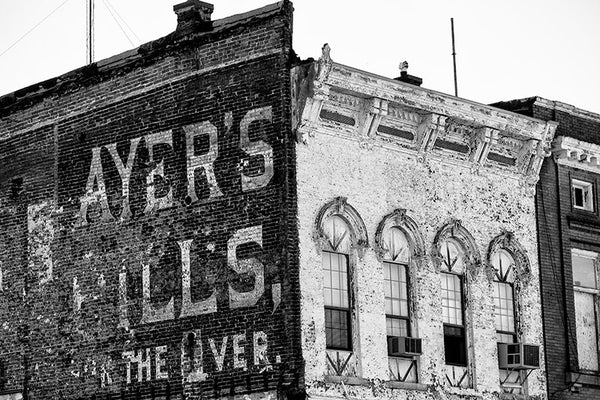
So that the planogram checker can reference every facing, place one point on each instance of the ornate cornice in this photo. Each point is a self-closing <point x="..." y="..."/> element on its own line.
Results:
<point x="576" y="153"/>
<point x="381" y="112"/>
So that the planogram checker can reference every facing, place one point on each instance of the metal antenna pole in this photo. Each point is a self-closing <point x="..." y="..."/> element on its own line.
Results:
<point x="89" y="13"/>
<point x="454" y="57"/>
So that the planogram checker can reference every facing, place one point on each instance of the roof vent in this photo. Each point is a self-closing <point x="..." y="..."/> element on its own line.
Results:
<point x="405" y="77"/>
<point x="193" y="16"/>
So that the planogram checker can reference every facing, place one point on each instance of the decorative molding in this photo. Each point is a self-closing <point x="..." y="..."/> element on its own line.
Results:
<point x="377" y="110"/>
<point x="466" y="132"/>
<point x="454" y="230"/>
<point x="485" y="138"/>
<point x="340" y="207"/>
<point x="324" y="66"/>
<point x="404" y="114"/>
<point x="576" y="153"/>
<point x="427" y="132"/>
<point x="507" y="241"/>
<point x="408" y="226"/>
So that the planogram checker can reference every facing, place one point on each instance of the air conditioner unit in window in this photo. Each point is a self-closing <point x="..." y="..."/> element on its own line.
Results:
<point x="403" y="346"/>
<point x="518" y="356"/>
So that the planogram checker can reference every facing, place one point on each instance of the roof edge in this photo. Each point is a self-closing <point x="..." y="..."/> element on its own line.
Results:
<point x="83" y="75"/>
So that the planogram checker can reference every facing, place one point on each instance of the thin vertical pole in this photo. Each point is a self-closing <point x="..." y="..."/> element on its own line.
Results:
<point x="89" y="13"/>
<point x="454" y="57"/>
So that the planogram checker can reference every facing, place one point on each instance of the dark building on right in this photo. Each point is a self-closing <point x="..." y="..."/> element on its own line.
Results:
<point x="568" y="221"/>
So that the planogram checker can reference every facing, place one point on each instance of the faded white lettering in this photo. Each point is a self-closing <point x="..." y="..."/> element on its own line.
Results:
<point x="161" y="363"/>
<point x="99" y="194"/>
<point x="204" y="161"/>
<point x="124" y="173"/>
<point x="152" y="202"/>
<point x="218" y="356"/>
<point x="192" y="369"/>
<point x="257" y="148"/>
<point x="142" y="361"/>
<point x="252" y="266"/>
<point x="238" y="352"/>
<point x="151" y="313"/>
<point x="189" y="308"/>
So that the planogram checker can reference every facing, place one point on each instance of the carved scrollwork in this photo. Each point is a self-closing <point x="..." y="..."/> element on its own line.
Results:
<point x="507" y="241"/>
<point x="324" y="66"/>
<point x="399" y="219"/>
<point x="357" y="229"/>
<point x="470" y="253"/>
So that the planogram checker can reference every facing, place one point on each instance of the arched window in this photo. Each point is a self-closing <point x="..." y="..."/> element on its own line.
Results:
<point x="336" y="284"/>
<point x="399" y="246"/>
<point x="457" y="257"/>
<point x="504" y="296"/>
<point x="395" y="271"/>
<point x="341" y="236"/>
<point x="511" y="273"/>
<point x="452" y="270"/>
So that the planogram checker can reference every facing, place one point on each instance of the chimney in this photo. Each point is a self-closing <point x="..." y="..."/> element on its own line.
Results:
<point x="405" y="77"/>
<point x="193" y="16"/>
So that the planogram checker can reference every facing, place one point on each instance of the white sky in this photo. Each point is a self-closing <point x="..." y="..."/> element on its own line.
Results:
<point x="506" y="49"/>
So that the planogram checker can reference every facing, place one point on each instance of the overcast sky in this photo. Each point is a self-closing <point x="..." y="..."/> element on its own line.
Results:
<point x="506" y="49"/>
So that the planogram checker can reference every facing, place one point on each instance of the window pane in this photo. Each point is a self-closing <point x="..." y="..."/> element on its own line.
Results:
<point x="396" y="289"/>
<point x="335" y="279"/>
<point x="578" y="196"/>
<point x="396" y="327"/>
<point x="397" y="246"/>
<point x="337" y="232"/>
<point x="504" y="265"/>
<point x="337" y="331"/>
<point x="582" y="195"/>
<point x="455" y="349"/>
<point x="451" y="299"/>
<point x="504" y="310"/>
<point x="451" y="256"/>
<point x="584" y="270"/>
<point x="587" y="337"/>
<point x="506" y="338"/>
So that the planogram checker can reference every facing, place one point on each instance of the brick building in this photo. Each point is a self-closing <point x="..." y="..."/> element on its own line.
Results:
<point x="206" y="216"/>
<point x="417" y="238"/>
<point x="569" y="246"/>
<point x="148" y="246"/>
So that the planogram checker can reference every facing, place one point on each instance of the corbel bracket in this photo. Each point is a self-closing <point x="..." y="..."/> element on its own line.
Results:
<point x="378" y="108"/>
<point x="427" y="132"/>
<point x="485" y="138"/>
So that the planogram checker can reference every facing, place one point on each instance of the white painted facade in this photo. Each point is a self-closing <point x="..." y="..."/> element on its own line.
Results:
<point x="379" y="154"/>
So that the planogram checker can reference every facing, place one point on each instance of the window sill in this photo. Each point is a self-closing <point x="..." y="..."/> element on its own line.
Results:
<point x="407" y="385"/>
<point x="513" y="396"/>
<point x="588" y="379"/>
<point x="347" y="380"/>
<point x="356" y="381"/>
<point x="11" y="395"/>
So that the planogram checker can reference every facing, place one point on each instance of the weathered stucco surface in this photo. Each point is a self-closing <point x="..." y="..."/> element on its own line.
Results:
<point x="377" y="177"/>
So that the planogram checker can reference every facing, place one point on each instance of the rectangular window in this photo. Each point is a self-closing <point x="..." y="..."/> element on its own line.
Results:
<point x="455" y="349"/>
<point x="396" y="299"/>
<point x="337" y="301"/>
<point x="504" y="312"/>
<point x="586" y="291"/>
<point x="582" y="193"/>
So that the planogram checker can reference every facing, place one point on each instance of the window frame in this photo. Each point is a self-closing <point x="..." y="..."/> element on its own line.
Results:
<point x="347" y="310"/>
<point x="586" y="187"/>
<point x="464" y="353"/>
<point x="406" y="318"/>
<point x="506" y="278"/>
<point x="446" y="268"/>
<point x="595" y="292"/>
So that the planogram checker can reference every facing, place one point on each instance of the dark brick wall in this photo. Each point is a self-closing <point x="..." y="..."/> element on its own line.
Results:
<point x="561" y="228"/>
<point x="76" y="313"/>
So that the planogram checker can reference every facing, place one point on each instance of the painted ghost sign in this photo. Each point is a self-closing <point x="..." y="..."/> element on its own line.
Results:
<point x="174" y="236"/>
